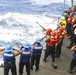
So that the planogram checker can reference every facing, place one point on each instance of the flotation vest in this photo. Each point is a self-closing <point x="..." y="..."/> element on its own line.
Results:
<point x="53" y="40"/>
<point x="63" y="34"/>
<point x="73" y="21"/>
<point x="69" y="20"/>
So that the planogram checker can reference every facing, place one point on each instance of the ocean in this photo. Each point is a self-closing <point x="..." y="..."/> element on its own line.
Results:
<point x="18" y="19"/>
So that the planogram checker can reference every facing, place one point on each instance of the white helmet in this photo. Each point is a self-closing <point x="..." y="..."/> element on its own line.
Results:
<point x="62" y="17"/>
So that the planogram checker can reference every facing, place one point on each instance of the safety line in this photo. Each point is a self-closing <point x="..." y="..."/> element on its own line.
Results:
<point x="33" y="33"/>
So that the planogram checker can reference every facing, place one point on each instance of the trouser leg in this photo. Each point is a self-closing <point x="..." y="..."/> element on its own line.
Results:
<point x="6" y="68"/>
<point x="13" y="69"/>
<point x="21" y="66"/>
<point x="37" y="62"/>
<point x="32" y="61"/>
<point x="58" y="49"/>
<point x="73" y="40"/>
<point x="53" y="53"/>
<point x="73" y="63"/>
<point x="28" y="68"/>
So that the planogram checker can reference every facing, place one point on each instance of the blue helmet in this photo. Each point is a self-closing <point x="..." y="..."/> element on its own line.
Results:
<point x="26" y="45"/>
<point x="38" y="40"/>
<point x="8" y="48"/>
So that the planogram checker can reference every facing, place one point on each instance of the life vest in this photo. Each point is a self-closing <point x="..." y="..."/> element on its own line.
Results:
<point x="73" y="21"/>
<point x="25" y="56"/>
<point x="53" y="40"/>
<point x="63" y="34"/>
<point x="9" y="57"/>
<point x="69" y="20"/>
<point x="37" y="50"/>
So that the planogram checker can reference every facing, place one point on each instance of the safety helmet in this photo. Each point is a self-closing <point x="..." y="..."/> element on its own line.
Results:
<point x="8" y="48"/>
<point x="61" y="29"/>
<point x="63" y="22"/>
<point x="38" y="40"/>
<point x="53" y="33"/>
<point x="62" y="17"/>
<point x="49" y="30"/>
<point x="26" y="45"/>
<point x="64" y="27"/>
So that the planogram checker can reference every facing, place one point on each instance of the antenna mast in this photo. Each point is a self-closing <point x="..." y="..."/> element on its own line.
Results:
<point x="72" y="3"/>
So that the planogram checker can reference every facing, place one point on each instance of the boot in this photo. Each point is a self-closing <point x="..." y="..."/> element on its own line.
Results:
<point x="70" y="71"/>
<point x="44" y="60"/>
<point x="31" y="68"/>
<point x="69" y="47"/>
<point x="54" y="65"/>
<point x="37" y="68"/>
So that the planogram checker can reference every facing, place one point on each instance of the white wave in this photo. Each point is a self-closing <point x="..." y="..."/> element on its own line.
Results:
<point x="20" y="34"/>
<point x="46" y="2"/>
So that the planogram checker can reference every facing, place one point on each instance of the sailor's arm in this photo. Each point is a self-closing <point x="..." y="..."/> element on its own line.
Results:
<point x="73" y="48"/>
<point x="2" y="51"/>
<point x="17" y="51"/>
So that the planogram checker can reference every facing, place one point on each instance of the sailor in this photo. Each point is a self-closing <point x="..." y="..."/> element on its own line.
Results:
<point x="25" y="58"/>
<point x="9" y="54"/>
<point x="36" y="54"/>
<point x="60" y="34"/>
<point x="73" y="61"/>
<point x="51" y="41"/>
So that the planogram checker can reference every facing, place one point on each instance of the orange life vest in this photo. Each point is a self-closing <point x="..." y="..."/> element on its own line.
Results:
<point x="69" y="20"/>
<point x="53" y="40"/>
<point x="73" y="20"/>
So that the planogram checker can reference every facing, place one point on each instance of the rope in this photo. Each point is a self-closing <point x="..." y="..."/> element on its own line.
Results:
<point x="34" y="33"/>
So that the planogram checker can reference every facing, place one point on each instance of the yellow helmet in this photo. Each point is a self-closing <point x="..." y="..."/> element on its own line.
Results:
<point x="64" y="27"/>
<point x="64" y="22"/>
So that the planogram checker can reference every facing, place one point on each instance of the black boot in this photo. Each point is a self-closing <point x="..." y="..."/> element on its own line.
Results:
<point x="31" y="68"/>
<point x="37" y="68"/>
<point x="69" y="47"/>
<point x="44" y="60"/>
